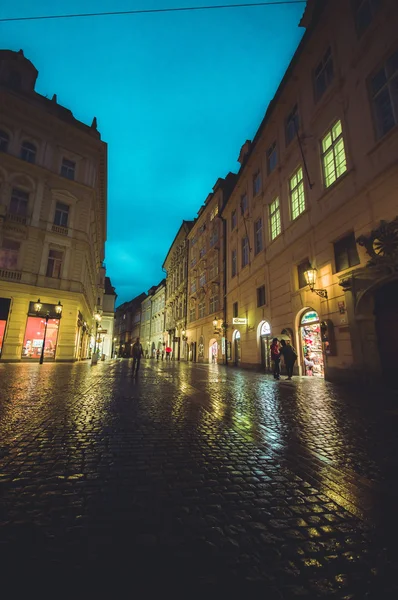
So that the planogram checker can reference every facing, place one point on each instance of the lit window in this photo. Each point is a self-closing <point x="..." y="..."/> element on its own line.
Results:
<point x="297" y="198"/>
<point x="323" y="74"/>
<point x="68" y="168"/>
<point x="256" y="183"/>
<point x="384" y="89"/>
<point x="233" y="220"/>
<point x="346" y="253"/>
<point x="292" y="125"/>
<point x="233" y="263"/>
<point x="61" y="214"/>
<point x="364" y="11"/>
<point x="272" y="158"/>
<point x="28" y="152"/>
<point x="245" y="251"/>
<point x="4" y="141"/>
<point x="54" y="264"/>
<point x="258" y="236"/>
<point x="275" y="218"/>
<point x="19" y="202"/>
<point x="333" y="154"/>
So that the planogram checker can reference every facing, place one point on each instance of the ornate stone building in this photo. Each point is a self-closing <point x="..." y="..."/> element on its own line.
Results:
<point x="158" y="336"/>
<point x="176" y="267"/>
<point x="312" y="229"/>
<point x="128" y="325"/>
<point x="205" y="316"/>
<point x="53" y="202"/>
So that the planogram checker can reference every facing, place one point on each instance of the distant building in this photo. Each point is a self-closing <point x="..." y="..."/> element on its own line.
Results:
<point x="127" y="325"/>
<point x="106" y="333"/>
<point x="158" y="336"/>
<point x="53" y="202"/>
<point x="176" y="267"/>
<point x="206" y="282"/>
<point x="145" y="325"/>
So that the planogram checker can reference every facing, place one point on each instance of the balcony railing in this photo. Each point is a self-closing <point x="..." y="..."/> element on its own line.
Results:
<point x="10" y="275"/>
<point x="59" y="229"/>
<point x="14" y="218"/>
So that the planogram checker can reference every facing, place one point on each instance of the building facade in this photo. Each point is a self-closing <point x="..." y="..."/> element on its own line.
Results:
<point x="206" y="290"/>
<point x="312" y="221"/>
<point x="176" y="267"/>
<point x="106" y="332"/>
<point x="53" y="182"/>
<point x="127" y="325"/>
<point x="158" y="337"/>
<point x="145" y="325"/>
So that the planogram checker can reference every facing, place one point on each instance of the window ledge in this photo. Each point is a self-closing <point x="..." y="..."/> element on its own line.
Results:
<point x="334" y="185"/>
<point x="383" y="139"/>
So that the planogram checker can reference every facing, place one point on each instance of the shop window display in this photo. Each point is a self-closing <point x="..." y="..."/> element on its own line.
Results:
<point x="2" y="331"/>
<point x="311" y="341"/>
<point x="34" y="335"/>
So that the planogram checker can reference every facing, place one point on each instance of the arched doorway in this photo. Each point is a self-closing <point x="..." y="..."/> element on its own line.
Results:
<point x="386" y="324"/>
<point x="201" y="349"/>
<point x="265" y="343"/>
<point x="311" y="344"/>
<point x="213" y="351"/>
<point x="237" y="353"/>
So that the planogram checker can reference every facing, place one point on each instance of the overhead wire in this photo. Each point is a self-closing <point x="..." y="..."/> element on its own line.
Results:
<point x="152" y="11"/>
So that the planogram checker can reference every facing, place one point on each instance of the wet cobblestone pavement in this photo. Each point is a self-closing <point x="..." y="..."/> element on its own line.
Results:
<point x="199" y="476"/>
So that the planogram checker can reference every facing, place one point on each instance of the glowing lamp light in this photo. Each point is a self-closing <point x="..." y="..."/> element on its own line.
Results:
<point x="58" y="308"/>
<point x="38" y="306"/>
<point x="97" y="317"/>
<point x="183" y="332"/>
<point x="310" y="280"/>
<point x="215" y="323"/>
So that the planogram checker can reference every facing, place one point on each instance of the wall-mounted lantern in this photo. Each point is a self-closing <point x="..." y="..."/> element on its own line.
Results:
<point x="310" y="279"/>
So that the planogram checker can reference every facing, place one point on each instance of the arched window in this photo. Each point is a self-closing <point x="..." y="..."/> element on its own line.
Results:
<point x="265" y="328"/>
<point x="4" y="141"/>
<point x="28" y="152"/>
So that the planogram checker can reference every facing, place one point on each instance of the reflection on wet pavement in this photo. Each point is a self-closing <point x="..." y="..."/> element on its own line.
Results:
<point x="198" y="473"/>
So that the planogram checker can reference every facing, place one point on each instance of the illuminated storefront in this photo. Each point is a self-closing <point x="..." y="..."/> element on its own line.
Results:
<point x="311" y="343"/>
<point x="4" y="310"/>
<point x="42" y="324"/>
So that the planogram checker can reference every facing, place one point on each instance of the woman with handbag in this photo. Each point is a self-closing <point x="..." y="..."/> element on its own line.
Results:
<point x="290" y="356"/>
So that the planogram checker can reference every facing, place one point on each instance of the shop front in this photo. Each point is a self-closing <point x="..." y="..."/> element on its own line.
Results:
<point x="4" y="311"/>
<point x="237" y="351"/>
<point x="311" y="344"/>
<point x="265" y="344"/>
<point x="213" y="351"/>
<point x="42" y="327"/>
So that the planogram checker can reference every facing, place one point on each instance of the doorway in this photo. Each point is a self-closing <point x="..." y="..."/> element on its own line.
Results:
<point x="311" y="344"/>
<point x="386" y="314"/>
<point x="213" y="351"/>
<point x="237" y="353"/>
<point x="265" y="342"/>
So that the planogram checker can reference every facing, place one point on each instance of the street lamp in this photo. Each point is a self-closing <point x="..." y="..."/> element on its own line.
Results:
<point x="38" y="307"/>
<point x="310" y="279"/>
<point x="97" y="318"/>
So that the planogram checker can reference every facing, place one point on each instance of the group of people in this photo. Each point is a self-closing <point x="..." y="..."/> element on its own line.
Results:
<point x="138" y="352"/>
<point x="286" y="351"/>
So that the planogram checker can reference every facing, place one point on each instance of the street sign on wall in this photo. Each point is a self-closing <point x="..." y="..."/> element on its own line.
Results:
<point x="239" y="321"/>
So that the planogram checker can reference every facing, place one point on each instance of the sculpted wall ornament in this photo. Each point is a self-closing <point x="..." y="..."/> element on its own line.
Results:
<point x="382" y="245"/>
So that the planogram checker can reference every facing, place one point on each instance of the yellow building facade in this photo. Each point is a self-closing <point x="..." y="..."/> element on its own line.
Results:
<point x="312" y="251"/>
<point x="52" y="221"/>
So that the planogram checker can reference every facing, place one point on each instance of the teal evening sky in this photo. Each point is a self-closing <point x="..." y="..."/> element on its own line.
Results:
<point x="175" y="95"/>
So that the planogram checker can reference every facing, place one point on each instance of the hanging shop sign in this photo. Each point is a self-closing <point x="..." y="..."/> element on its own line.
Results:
<point x="239" y="321"/>
<point x="309" y="317"/>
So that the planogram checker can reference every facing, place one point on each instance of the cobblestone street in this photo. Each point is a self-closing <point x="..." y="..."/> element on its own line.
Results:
<point x="198" y="475"/>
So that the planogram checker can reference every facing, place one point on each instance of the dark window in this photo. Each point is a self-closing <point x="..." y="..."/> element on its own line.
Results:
<point x="261" y="296"/>
<point x="258" y="236"/>
<point x="323" y="74"/>
<point x="292" y="125"/>
<point x="272" y="158"/>
<point x="4" y="141"/>
<point x="54" y="264"/>
<point x="301" y="268"/>
<point x="234" y="265"/>
<point x="384" y="89"/>
<point x="233" y="220"/>
<point x="28" y="152"/>
<point x="19" y="202"/>
<point x="235" y="309"/>
<point x="68" y="168"/>
<point x="9" y="254"/>
<point x="61" y="214"/>
<point x="244" y="205"/>
<point x="256" y="183"/>
<point x="346" y="253"/>
<point x="364" y="11"/>
<point x="245" y="251"/>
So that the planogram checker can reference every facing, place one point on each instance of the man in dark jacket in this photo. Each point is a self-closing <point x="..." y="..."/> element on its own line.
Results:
<point x="138" y="351"/>
<point x="289" y="355"/>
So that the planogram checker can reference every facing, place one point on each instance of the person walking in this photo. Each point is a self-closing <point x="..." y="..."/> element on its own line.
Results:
<point x="157" y="354"/>
<point x="276" y="358"/>
<point x="290" y="356"/>
<point x="138" y="351"/>
<point x="168" y="353"/>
